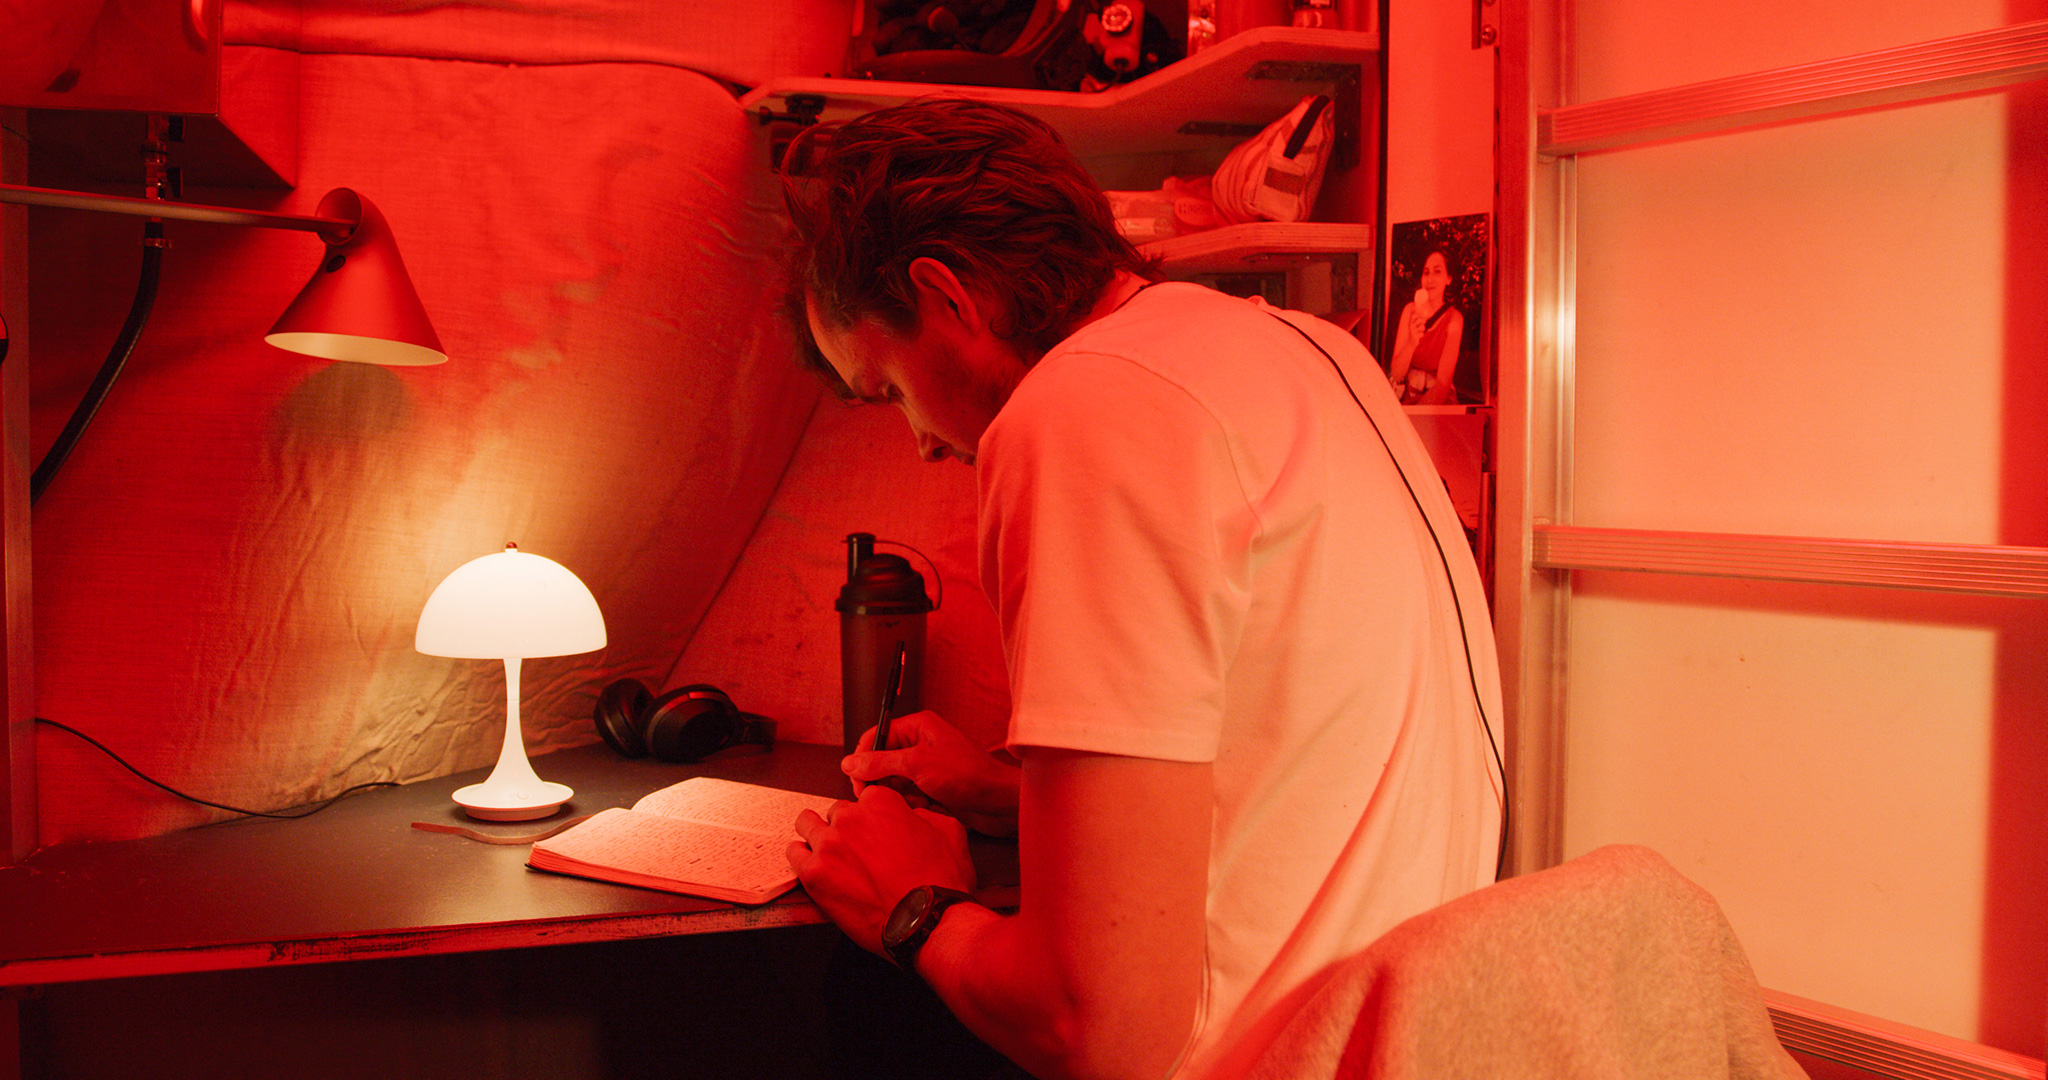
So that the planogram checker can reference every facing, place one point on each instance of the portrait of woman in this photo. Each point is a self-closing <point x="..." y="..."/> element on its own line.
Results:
<point x="1427" y="338"/>
<point x="1433" y="343"/>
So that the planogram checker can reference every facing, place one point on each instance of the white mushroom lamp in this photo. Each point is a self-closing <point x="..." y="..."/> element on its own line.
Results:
<point x="510" y="606"/>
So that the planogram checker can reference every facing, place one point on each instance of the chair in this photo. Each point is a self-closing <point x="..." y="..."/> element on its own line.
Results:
<point x="1610" y="965"/>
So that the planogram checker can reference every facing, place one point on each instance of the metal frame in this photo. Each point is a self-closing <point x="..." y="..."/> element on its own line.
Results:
<point x="334" y="228"/>
<point x="1533" y="441"/>
<point x="1921" y="71"/>
<point x="1541" y="131"/>
<point x="1967" y="568"/>
<point x="18" y="825"/>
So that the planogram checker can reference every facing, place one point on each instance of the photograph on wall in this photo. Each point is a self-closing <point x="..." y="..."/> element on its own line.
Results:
<point x="1437" y="281"/>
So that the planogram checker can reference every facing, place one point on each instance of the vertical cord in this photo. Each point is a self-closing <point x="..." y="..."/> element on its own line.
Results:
<point x="138" y="315"/>
<point x="1500" y="862"/>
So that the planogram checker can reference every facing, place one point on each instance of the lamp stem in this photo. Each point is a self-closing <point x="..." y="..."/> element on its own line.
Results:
<point x="513" y="767"/>
<point x="512" y="792"/>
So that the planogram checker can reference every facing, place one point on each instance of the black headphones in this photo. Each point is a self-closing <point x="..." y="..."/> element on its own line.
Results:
<point x="682" y="725"/>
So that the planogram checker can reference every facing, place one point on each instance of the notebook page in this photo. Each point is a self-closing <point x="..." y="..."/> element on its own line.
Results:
<point x="750" y="807"/>
<point x="676" y="851"/>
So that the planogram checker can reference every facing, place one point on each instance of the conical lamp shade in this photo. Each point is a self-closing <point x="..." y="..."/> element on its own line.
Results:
<point x="360" y="304"/>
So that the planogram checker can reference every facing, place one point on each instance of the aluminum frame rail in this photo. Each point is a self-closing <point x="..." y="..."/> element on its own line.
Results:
<point x="1966" y="568"/>
<point x="1918" y="72"/>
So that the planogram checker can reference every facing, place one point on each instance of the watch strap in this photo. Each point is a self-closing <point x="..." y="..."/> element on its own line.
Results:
<point x="935" y="899"/>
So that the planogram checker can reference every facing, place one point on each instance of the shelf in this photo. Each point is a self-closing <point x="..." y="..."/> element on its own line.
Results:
<point x="250" y="141"/>
<point x="1258" y="247"/>
<point x="1230" y="90"/>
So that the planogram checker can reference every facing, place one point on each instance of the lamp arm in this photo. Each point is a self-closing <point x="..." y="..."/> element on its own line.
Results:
<point x="333" y="229"/>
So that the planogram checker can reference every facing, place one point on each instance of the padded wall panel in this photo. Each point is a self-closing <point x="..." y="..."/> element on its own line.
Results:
<point x="230" y="569"/>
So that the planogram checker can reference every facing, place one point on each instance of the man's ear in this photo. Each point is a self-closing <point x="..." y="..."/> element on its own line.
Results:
<point x="941" y="295"/>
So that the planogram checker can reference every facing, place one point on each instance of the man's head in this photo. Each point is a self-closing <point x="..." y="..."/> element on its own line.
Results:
<point x="940" y="248"/>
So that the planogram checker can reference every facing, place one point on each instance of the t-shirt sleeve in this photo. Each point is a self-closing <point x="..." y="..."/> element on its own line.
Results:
<point x="1114" y="535"/>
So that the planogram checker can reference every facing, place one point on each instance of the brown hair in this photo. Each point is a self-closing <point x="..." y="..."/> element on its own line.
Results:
<point x="987" y="190"/>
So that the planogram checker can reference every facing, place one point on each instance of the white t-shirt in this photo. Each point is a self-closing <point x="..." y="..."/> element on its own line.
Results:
<point x="1200" y="550"/>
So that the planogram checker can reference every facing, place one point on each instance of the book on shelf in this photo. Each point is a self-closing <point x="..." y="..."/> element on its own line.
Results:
<point x="703" y="836"/>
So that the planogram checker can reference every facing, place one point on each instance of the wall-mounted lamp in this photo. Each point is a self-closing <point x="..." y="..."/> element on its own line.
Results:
<point x="360" y="304"/>
<point x="506" y="607"/>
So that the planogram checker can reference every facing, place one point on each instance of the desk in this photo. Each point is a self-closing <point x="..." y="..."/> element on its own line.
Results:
<point x="356" y="881"/>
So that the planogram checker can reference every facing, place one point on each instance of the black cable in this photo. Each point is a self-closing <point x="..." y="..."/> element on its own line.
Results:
<point x="102" y="747"/>
<point x="138" y="315"/>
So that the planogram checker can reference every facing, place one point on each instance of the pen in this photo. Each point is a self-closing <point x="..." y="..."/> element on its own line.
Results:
<point x="889" y="691"/>
<point x="902" y="786"/>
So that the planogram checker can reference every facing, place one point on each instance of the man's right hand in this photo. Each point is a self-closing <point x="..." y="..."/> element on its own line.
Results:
<point x="961" y="778"/>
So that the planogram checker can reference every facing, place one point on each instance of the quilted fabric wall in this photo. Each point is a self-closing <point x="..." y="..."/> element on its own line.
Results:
<point x="229" y="570"/>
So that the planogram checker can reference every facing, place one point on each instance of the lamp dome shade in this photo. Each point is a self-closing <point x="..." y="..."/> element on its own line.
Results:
<point x="360" y="304"/>
<point x="510" y="605"/>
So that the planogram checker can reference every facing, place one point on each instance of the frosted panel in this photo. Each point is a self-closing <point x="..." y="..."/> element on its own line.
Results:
<point x="1818" y="759"/>
<point x="1797" y="330"/>
<point x="1824" y="329"/>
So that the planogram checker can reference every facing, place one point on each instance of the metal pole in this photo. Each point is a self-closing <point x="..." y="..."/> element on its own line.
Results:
<point x="156" y="208"/>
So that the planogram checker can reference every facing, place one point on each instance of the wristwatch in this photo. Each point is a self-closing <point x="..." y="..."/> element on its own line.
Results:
<point x="914" y="919"/>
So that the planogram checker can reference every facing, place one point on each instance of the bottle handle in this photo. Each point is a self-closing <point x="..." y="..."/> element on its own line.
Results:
<point x="939" y="583"/>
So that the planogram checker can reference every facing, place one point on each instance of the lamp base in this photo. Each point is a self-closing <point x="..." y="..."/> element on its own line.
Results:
<point x="525" y="803"/>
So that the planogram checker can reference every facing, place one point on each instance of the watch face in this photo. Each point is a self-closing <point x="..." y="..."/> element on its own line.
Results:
<point x="908" y="911"/>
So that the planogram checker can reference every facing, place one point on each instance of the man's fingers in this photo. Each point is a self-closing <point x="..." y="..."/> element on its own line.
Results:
<point x="869" y="765"/>
<point x="875" y="791"/>
<point x="809" y="822"/>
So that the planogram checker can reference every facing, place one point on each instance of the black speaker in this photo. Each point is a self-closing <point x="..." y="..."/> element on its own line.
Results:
<point x="683" y="725"/>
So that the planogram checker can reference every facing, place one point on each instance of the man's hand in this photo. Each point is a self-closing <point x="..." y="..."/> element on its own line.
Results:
<point x="861" y="861"/>
<point x="963" y="779"/>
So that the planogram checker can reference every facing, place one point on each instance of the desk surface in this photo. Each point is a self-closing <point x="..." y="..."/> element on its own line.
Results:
<point x="356" y="881"/>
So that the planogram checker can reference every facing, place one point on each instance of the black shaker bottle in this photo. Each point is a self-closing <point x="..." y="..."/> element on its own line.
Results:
<point x="881" y="607"/>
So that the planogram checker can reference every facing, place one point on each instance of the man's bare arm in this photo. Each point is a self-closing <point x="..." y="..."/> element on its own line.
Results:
<point x="1099" y="974"/>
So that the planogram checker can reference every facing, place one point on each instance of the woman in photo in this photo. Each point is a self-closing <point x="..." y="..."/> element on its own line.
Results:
<point x="1426" y="339"/>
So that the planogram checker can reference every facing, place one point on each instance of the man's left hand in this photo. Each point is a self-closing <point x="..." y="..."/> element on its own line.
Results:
<point x="860" y="859"/>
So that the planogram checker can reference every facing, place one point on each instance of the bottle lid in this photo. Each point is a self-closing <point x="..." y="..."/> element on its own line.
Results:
<point x="883" y="585"/>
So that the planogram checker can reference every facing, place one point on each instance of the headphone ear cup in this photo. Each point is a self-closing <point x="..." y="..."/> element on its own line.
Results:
<point x="619" y="709"/>
<point x="687" y="724"/>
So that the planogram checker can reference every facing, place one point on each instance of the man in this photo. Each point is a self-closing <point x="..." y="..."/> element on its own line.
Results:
<point x="1242" y="700"/>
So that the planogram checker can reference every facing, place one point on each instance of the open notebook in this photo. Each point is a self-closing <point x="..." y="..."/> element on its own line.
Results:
<point x="703" y="836"/>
